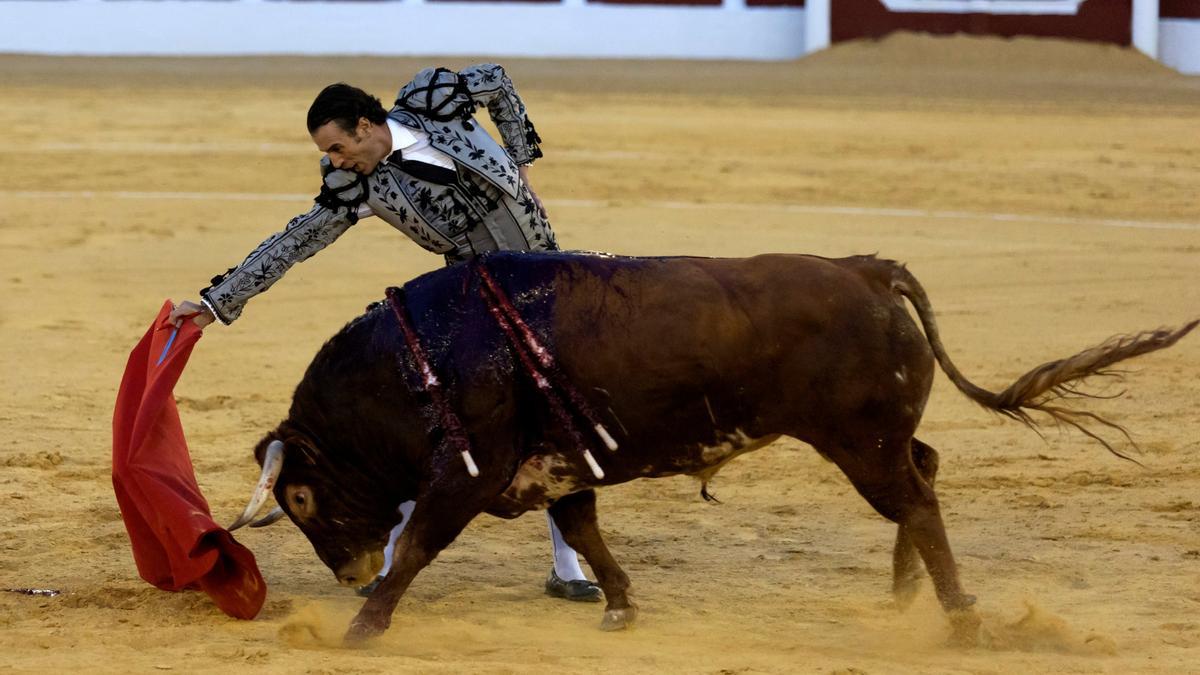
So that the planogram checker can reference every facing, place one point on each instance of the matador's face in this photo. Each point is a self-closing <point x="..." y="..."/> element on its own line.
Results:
<point x="360" y="151"/>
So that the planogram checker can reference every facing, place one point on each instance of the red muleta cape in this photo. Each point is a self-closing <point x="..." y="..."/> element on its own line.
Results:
<point x="176" y="543"/>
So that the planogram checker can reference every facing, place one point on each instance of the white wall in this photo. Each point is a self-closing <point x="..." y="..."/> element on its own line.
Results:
<point x="414" y="27"/>
<point x="410" y="27"/>
<point x="1145" y="27"/>
<point x="1179" y="44"/>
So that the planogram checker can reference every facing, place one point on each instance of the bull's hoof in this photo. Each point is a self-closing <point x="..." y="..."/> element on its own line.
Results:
<point x="905" y="592"/>
<point x="363" y="628"/>
<point x="618" y="619"/>
<point x="964" y="627"/>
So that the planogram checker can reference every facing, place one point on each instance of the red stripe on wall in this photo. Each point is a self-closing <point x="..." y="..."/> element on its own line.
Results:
<point x="1179" y="9"/>
<point x="1097" y="21"/>
<point x="693" y="3"/>
<point x="774" y="3"/>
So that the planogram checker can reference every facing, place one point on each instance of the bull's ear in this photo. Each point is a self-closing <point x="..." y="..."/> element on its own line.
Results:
<point x="301" y="449"/>
<point x="260" y="450"/>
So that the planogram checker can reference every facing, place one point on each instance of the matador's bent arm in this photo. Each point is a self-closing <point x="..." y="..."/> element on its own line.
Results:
<point x="489" y="86"/>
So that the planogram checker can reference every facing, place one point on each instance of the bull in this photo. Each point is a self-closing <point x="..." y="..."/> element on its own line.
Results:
<point x="690" y="362"/>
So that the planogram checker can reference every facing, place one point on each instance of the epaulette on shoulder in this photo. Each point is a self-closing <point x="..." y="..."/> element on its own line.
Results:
<point x="436" y="93"/>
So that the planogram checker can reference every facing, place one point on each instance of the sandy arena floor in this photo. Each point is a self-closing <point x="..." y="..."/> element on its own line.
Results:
<point x="1045" y="193"/>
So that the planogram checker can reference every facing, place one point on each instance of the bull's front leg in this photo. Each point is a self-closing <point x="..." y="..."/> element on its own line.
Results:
<point x="575" y="516"/>
<point x="442" y="510"/>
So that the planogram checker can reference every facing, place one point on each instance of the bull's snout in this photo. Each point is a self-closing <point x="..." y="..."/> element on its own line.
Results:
<point x="361" y="570"/>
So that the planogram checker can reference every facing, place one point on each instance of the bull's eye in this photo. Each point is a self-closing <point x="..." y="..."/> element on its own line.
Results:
<point x="300" y="501"/>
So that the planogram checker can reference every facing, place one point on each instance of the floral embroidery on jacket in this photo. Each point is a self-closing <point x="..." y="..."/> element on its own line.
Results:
<point x="442" y="219"/>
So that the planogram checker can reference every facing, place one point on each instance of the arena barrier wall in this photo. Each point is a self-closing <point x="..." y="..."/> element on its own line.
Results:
<point x="701" y="29"/>
<point x="692" y="29"/>
<point x="1093" y="20"/>
<point x="1168" y="30"/>
<point x="1179" y="35"/>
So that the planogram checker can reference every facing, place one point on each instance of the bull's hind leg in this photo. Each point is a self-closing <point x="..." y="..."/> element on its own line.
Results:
<point x="906" y="565"/>
<point x="575" y="516"/>
<point x="888" y="479"/>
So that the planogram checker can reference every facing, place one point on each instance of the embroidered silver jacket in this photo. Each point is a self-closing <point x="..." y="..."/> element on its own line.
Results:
<point x="486" y="207"/>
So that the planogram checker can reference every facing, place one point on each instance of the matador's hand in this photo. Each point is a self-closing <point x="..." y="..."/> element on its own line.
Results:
<point x="202" y="316"/>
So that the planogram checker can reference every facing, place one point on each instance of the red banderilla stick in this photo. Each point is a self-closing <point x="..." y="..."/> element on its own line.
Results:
<point x="544" y="357"/>
<point x="552" y="398"/>
<point x="455" y="436"/>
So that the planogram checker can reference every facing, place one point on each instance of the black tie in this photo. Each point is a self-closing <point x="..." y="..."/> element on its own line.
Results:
<point x="423" y="170"/>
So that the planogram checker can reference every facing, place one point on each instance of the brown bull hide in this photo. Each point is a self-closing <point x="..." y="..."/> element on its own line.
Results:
<point x="691" y="361"/>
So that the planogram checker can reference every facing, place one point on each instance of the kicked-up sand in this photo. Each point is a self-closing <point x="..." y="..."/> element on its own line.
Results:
<point x="1047" y="195"/>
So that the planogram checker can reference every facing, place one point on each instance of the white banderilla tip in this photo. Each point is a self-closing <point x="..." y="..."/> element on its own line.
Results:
<point x="470" y="462"/>
<point x="604" y="436"/>
<point x="599" y="473"/>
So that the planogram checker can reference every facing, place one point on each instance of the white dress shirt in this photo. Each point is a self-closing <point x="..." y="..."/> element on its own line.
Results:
<point x="413" y="144"/>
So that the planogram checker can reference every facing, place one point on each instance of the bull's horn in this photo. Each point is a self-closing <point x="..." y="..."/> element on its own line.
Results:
<point x="274" y="515"/>
<point x="272" y="465"/>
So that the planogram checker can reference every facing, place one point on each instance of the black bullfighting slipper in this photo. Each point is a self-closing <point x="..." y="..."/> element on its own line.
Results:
<point x="578" y="590"/>
<point x="367" y="590"/>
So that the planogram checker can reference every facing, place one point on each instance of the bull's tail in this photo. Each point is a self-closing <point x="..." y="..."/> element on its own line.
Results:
<point x="1045" y="386"/>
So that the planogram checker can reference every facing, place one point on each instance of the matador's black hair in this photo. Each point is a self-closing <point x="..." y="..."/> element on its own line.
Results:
<point x="345" y="105"/>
